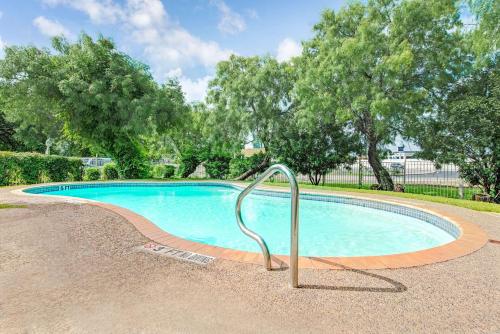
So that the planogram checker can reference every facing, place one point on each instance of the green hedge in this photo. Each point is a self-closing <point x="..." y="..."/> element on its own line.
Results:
<point x="92" y="174"/>
<point x="217" y="165"/>
<point x="163" y="171"/>
<point x="110" y="171"/>
<point x="29" y="168"/>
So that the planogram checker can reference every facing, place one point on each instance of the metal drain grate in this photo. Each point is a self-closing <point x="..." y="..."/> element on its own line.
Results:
<point x="177" y="253"/>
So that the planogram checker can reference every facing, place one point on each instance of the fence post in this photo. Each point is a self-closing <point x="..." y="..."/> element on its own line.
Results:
<point x="360" y="173"/>
<point x="404" y="171"/>
<point x="461" y="190"/>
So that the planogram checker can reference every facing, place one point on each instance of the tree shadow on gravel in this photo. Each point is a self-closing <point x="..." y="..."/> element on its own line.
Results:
<point x="396" y="286"/>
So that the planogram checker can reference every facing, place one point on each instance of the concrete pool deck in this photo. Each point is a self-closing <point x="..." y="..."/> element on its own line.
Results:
<point x="72" y="267"/>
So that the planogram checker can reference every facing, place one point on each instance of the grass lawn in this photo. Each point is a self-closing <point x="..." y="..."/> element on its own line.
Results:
<point x="464" y="203"/>
<point x="11" y="206"/>
<point x="424" y="189"/>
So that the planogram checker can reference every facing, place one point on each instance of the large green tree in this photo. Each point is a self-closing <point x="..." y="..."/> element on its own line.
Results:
<point x="466" y="132"/>
<point x="29" y="96"/>
<point x="102" y="96"/>
<point x="377" y="62"/>
<point x="249" y="97"/>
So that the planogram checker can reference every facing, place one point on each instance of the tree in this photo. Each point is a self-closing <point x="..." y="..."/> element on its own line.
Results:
<point x="250" y="96"/>
<point x="103" y="97"/>
<point x="313" y="149"/>
<point x="375" y="64"/>
<point x="191" y="139"/>
<point x="466" y="132"/>
<point x="28" y="96"/>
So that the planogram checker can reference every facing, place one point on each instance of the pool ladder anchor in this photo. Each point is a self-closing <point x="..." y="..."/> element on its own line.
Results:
<point x="294" y="223"/>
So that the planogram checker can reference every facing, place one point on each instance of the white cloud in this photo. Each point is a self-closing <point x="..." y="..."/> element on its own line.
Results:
<point x="287" y="49"/>
<point x="195" y="90"/>
<point x="175" y="73"/>
<point x="167" y="45"/>
<point x="50" y="28"/>
<point x="99" y="11"/>
<point x="230" y="21"/>
<point x="252" y="13"/>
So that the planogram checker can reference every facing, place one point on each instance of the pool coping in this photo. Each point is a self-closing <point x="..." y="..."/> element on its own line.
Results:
<point x="471" y="238"/>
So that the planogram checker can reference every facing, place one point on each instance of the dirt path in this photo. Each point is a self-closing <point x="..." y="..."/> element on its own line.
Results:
<point x="72" y="268"/>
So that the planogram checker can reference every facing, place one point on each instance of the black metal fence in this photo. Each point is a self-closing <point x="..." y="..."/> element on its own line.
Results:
<point x="417" y="176"/>
<point x="95" y="161"/>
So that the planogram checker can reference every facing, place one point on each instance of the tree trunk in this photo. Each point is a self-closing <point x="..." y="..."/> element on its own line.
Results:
<point x="253" y="171"/>
<point x="496" y="186"/>
<point x="315" y="178"/>
<point x="381" y="174"/>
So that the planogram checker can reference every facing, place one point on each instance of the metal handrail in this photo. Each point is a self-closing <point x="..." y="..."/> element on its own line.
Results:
<point x="294" y="228"/>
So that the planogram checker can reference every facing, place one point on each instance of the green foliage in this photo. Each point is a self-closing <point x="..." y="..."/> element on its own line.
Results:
<point x="169" y="171"/>
<point x="163" y="171"/>
<point x="7" y="131"/>
<point x="217" y="165"/>
<point x="189" y="161"/>
<point x="92" y="174"/>
<point x="314" y="149"/>
<point x="250" y="95"/>
<point x="377" y="63"/>
<point x="28" y="95"/>
<point x="110" y="172"/>
<point x="158" y="171"/>
<point x="29" y="168"/>
<point x="466" y="132"/>
<point x="90" y="91"/>
<point x="485" y="37"/>
<point x="241" y="164"/>
<point x="191" y="139"/>
<point x="11" y="206"/>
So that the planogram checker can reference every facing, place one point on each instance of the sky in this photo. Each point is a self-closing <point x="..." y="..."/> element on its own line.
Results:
<point x="178" y="38"/>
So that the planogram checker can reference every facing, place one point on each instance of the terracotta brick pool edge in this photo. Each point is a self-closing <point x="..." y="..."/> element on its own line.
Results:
<point x="472" y="238"/>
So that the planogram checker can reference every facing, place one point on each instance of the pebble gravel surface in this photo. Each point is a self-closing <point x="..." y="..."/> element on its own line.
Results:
<point x="75" y="268"/>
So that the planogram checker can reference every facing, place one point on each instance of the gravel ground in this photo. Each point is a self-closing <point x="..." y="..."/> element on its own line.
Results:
<point x="75" y="268"/>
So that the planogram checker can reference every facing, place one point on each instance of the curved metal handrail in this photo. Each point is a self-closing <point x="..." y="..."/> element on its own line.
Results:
<point x="294" y="228"/>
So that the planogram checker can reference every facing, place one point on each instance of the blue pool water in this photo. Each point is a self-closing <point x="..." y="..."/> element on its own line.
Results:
<point x="206" y="214"/>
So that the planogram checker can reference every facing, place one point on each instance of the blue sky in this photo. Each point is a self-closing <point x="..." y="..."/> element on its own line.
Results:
<point x="181" y="38"/>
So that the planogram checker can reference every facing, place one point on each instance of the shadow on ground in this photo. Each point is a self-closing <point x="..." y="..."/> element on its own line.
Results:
<point x="396" y="286"/>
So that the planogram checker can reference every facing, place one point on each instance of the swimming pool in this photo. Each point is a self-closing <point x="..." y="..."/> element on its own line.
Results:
<point x="329" y="225"/>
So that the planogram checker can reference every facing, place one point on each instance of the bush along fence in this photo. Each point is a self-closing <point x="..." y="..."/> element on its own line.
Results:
<point x="29" y="168"/>
<point x="410" y="175"/>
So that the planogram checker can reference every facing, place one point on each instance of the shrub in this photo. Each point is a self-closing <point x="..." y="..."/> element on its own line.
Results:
<point x="163" y="171"/>
<point x="29" y="168"/>
<point x="110" y="171"/>
<point x="131" y="161"/>
<point x="92" y="174"/>
<point x="240" y="164"/>
<point x="169" y="171"/>
<point x="217" y="165"/>
<point x="158" y="171"/>
<point x="189" y="162"/>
